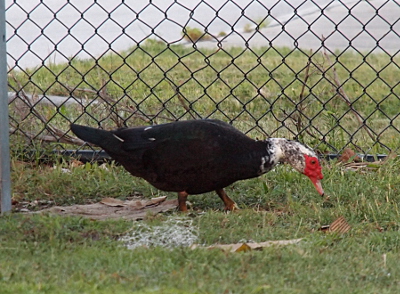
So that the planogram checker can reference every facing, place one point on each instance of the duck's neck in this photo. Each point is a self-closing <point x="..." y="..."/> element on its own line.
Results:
<point x="274" y="154"/>
<point x="288" y="151"/>
<point x="277" y="150"/>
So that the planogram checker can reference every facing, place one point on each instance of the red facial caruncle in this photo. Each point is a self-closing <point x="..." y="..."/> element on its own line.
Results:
<point x="312" y="170"/>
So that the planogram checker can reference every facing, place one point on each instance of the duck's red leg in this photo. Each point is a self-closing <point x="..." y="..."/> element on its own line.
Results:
<point x="182" y="196"/>
<point x="229" y="203"/>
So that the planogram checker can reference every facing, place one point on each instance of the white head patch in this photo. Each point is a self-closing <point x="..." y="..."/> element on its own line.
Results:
<point x="291" y="152"/>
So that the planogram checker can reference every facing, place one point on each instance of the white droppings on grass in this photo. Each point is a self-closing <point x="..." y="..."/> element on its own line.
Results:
<point x="175" y="232"/>
<point x="63" y="170"/>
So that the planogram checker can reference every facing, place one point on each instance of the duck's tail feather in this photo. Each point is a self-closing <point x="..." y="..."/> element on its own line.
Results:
<point x="105" y="139"/>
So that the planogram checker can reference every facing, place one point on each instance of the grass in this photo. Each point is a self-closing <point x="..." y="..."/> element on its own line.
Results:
<point x="194" y="35"/>
<point x="263" y="91"/>
<point x="156" y="83"/>
<point x="258" y="24"/>
<point x="52" y="254"/>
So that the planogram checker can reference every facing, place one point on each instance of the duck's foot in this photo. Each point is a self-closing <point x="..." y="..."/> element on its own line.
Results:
<point x="182" y="197"/>
<point x="230" y="205"/>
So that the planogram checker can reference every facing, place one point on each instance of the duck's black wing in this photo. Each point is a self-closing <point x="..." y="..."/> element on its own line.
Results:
<point x="193" y="156"/>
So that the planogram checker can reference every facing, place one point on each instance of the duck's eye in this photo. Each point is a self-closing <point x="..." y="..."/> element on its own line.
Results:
<point x="313" y="161"/>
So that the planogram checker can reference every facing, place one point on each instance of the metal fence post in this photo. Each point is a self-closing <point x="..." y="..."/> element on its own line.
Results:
<point x="5" y="181"/>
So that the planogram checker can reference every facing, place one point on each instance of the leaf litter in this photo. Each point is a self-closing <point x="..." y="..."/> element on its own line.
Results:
<point x="180" y="232"/>
<point x="111" y="208"/>
<point x="339" y="226"/>
<point x="350" y="161"/>
<point x="247" y="246"/>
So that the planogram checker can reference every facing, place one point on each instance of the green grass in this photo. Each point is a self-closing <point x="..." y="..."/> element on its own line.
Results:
<point x="257" y="24"/>
<point x="194" y="35"/>
<point x="264" y="85"/>
<point x="52" y="254"/>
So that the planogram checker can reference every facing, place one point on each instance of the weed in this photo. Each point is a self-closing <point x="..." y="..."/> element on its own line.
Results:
<point x="52" y="254"/>
<point x="184" y="84"/>
<point x="56" y="252"/>
<point x="194" y="35"/>
<point x="258" y="24"/>
<point x="248" y="28"/>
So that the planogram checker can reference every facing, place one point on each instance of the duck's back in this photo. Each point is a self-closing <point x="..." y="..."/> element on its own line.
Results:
<point x="193" y="156"/>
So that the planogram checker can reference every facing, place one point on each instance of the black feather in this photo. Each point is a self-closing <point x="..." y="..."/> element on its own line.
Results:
<point x="193" y="156"/>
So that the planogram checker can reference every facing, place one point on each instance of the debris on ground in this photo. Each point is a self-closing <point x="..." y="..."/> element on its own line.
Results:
<point x="180" y="232"/>
<point x="175" y="232"/>
<point x="340" y="226"/>
<point x="240" y="247"/>
<point x="350" y="161"/>
<point x="110" y="208"/>
<point x="28" y="206"/>
<point x="349" y="155"/>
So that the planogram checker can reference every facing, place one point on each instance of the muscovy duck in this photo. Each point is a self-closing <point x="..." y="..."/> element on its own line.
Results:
<point x="199" y="156"/>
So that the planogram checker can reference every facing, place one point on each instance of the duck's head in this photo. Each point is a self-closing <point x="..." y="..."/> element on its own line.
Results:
<point x="301" y="157"/>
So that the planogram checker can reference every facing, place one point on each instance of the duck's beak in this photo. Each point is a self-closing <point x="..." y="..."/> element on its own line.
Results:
<point x="317" y="185"/>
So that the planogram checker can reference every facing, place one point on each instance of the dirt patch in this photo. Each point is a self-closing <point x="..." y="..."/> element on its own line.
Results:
<point x="110" y="208"/>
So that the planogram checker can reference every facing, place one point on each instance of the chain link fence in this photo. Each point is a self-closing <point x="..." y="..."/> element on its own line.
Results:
<point x="323" y="72"/>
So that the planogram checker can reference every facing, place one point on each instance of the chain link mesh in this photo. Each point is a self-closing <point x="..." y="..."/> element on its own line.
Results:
<point x="323" y="72"/>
